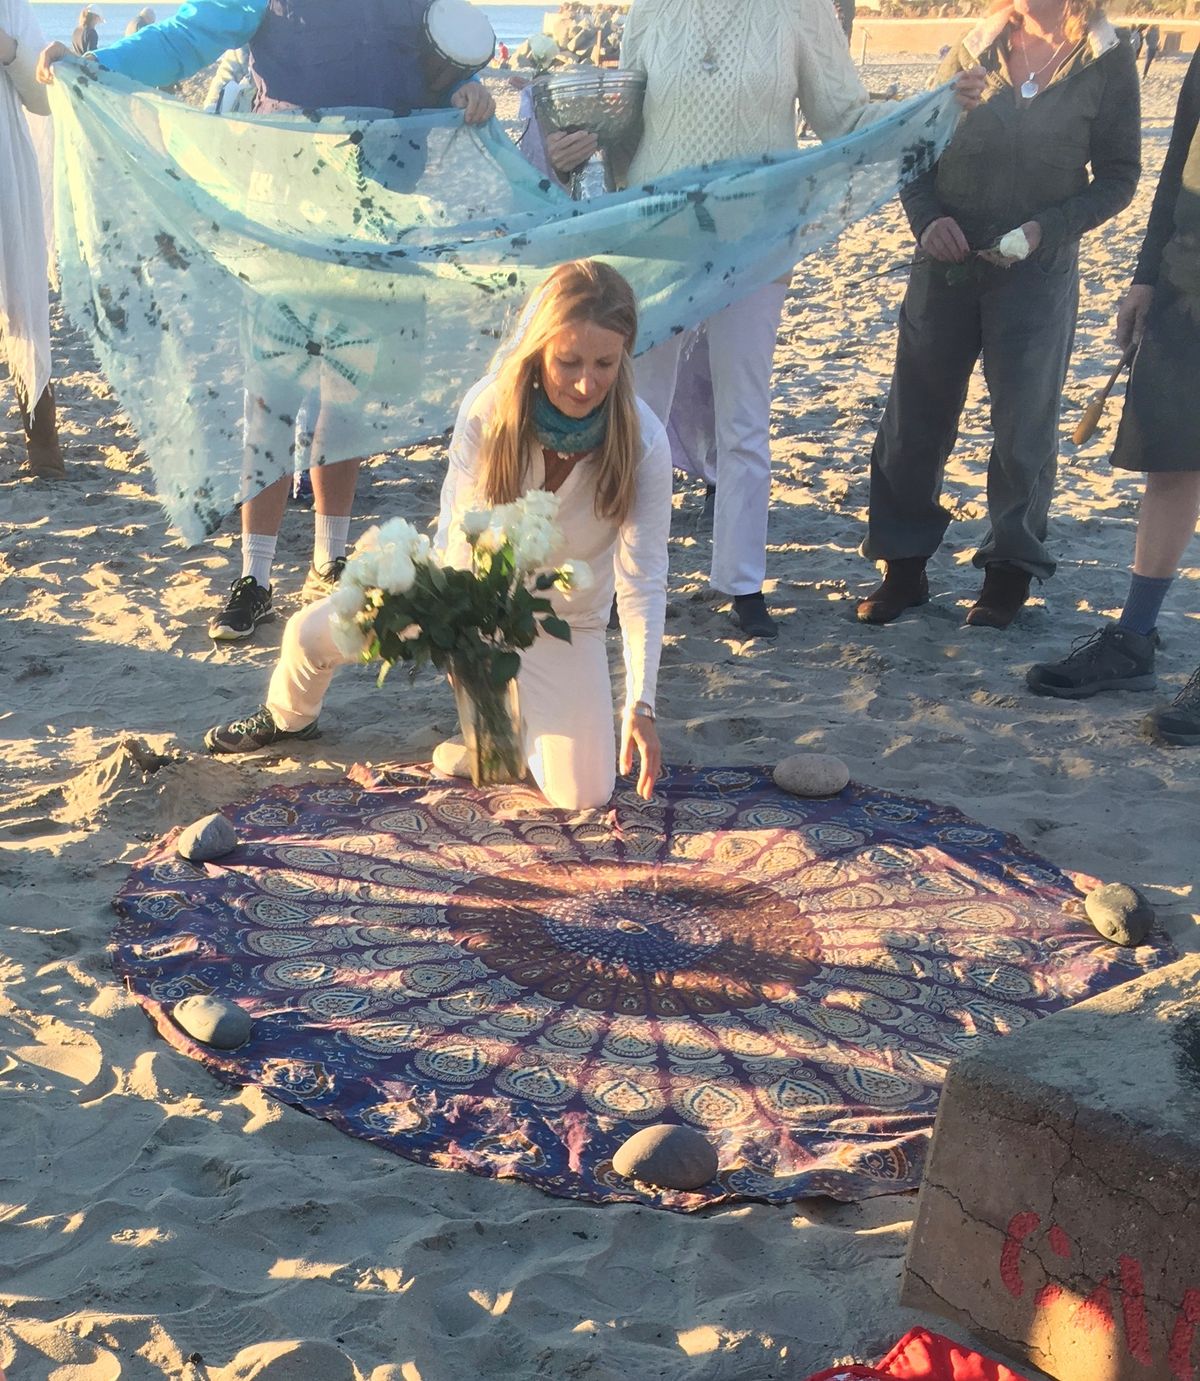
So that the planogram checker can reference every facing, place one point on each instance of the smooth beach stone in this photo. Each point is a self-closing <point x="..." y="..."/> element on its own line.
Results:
<point x="812" y="774"/>
<point x="668" y="1156"/>
<point x="1120" y="913"/>
<point x="211" y="837"/>
<point x="451" y="759"/>
<point x="213" y="1021"/>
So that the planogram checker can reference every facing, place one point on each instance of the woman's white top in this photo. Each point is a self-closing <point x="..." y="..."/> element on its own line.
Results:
<point x="630" y="558"/>
<point x="24" y="299"/>
<point x="768" y="54"/>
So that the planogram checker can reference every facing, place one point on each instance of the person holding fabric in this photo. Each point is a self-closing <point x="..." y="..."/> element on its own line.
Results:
<point x="24" y="291"/>
<point x="558" y="413"/>
<point x="1159" y="435"/>
<point x="723" y="78"/>
<point x="85" y="39"/>
<point x="998" y="223"/>
<point x="304" y="54"/>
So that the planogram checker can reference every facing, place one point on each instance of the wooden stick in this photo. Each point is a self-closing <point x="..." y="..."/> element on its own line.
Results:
<point x="1090" y="420"/>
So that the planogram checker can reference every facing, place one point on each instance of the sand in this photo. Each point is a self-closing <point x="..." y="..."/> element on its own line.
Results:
<point x="151" y="1215"/>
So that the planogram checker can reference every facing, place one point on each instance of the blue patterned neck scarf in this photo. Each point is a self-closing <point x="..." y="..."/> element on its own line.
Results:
<point x="569" y="436"/>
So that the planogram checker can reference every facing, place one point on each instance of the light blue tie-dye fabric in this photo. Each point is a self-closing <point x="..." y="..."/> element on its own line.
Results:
<point x="236" y="272"/>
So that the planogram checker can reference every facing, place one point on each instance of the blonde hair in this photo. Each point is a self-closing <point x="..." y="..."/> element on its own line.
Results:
<point x="579" y="291"/>
<point x="1078" y="17"/>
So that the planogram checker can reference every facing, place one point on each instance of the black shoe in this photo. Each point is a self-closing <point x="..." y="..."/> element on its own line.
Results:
<point x="750" y="614"/>
<point x="710" y="507"/>
<point x="1178" y="722"/>
<point x="248" y="605"/>
<point x="1112" y="658"/>
<point x="257" y="730"/>
<point x="1005" y="591"/>
<point x="904" y="586"/>
<point x="323" y="580"/>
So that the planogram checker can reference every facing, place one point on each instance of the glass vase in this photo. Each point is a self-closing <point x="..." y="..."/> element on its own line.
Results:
<point x="492" y="728"/>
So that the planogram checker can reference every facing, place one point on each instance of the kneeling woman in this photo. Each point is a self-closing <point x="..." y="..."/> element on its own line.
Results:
<point x="559" y="413"/>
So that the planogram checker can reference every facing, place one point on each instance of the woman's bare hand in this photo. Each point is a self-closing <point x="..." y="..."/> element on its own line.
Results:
<point x="49" y="55"/>
<point x="969" y="87"/>
<point x="1131" y="315"/>
<point x="943" y="239"/>
<point x="475" y="101"/>
<point x="639" y="732"/>
<point x="567" y="151"/>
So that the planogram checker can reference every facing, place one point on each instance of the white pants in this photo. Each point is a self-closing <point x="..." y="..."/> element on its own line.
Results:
<point x="741" y="345"/>
<point x="566" y="701"/>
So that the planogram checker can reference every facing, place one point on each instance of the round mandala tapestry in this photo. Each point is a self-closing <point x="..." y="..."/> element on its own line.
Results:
<point x="478" y="982"/>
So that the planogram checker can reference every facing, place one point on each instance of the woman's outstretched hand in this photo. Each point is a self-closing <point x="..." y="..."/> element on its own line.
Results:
<point x="49" y="55"/>
<point x="638" y="731"/>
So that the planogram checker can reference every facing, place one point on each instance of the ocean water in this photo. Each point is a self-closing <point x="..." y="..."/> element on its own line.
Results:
<point x="513" y="23"/>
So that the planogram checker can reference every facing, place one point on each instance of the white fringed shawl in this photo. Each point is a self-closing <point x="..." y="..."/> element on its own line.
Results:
<point x="24" y="301"/>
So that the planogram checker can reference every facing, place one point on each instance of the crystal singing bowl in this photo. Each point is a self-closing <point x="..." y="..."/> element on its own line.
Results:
<point x="606" y="101"/>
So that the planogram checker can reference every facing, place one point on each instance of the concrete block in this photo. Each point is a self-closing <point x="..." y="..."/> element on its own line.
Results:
<point x="1059" y="1217"/>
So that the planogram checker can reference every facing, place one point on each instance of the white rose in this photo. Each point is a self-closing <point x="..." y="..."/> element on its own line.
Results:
<point x="362" y="570"/>
<point x="476" y="523"/>
<point x="369" y="541"/>
<point x="346" y="601"/>
<point x="542" y="49"/>
<point x="398" y="532"/>
<point x="575" y="575"/>
<point x="1014" y="245"/>
<point x="396" y="571"/>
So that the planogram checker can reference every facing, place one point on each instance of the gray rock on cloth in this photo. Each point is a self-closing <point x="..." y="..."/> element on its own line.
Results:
<point x="667" y="1156"/>
<point x="213" y="1021"/>
<point x="812" y="774"/>
<point x="211" y="837"/>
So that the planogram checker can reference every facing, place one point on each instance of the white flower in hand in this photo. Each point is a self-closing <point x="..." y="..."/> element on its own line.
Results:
<point x="575" y="575"/>
<point x="476" y="523"/>
<point x="362" y="568"/>
<point x="1015" y="245"/>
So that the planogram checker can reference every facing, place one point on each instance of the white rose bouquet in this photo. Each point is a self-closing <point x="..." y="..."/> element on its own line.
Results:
<point x="396" y="602"/>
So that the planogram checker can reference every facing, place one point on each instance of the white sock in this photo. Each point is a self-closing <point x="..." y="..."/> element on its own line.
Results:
<point x="258" y="554"/>
<point x="330" y="536"/>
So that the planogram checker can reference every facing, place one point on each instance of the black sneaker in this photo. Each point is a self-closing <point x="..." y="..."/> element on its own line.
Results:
<point x="1112" y="658"/>
<point x="1178" y="722"/>
<point x="322" y="580"/>
<point x="257" y="730"/>
<point x="248" y="605"/>
<point x="750" y="614"/>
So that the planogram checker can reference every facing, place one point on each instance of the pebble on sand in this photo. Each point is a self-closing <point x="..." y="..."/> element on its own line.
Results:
<point x="211" y="837"/>
<point x="213" y="1021"/>
<point x="812" y="774"/>
<point x="1120" y="913"/>
<point x="668" y="1156"/>
<point x="450" y="758"/>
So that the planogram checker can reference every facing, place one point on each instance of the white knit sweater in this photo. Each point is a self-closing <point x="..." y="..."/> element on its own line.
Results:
<point x="769" y="54"/>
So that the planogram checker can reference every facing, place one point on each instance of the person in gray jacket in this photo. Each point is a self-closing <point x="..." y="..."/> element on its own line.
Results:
<point x="998" y="222"/>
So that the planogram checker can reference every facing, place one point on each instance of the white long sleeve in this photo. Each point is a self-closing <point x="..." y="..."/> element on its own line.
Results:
<point x="629" y="559"/>
<point x="18" y="19"/>
<point x="769" y="55"/>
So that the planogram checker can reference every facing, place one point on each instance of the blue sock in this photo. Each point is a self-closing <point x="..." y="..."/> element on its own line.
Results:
<point x="1145" y="599"/>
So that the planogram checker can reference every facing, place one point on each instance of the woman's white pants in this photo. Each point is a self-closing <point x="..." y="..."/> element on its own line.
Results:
<point x="566" y="701"/>
<point x="741" y="345"/>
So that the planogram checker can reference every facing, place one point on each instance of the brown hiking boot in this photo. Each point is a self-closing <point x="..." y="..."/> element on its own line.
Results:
<point x="904" y="586"/>
<point x="1005" y="590"/>
<point x="41" y="439"/>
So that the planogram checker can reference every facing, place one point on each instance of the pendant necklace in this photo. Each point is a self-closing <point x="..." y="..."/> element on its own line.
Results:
<point x="1030" y="86"/>
<point x="709" y="62"/>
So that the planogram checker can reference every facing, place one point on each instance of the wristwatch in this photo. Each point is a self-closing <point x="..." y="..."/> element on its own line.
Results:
<point x="643" y="710"/>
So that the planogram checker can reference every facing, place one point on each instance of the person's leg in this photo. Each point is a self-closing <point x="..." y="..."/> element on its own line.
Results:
<point x="307" y="660"/>
<point x="656" y="373"/>
<point x="41" y="438"/>
<point x="1028" y="320"/>
<point x="566" y="701"/>
<point x="937" y="344"/>
<point x="741" y="353"/>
